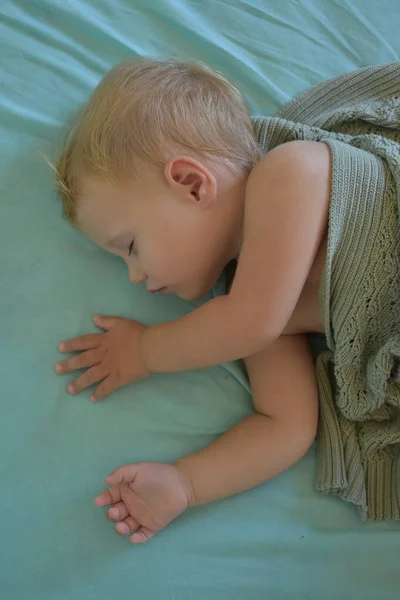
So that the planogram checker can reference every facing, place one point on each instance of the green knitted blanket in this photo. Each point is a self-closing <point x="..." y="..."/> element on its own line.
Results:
<point x="358" y="116"/>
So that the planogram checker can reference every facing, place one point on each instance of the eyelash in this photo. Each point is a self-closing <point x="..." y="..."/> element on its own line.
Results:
<point x="132" y="249"/>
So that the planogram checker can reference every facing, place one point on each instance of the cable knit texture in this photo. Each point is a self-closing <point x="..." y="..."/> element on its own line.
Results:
<point x="358" y="116"/>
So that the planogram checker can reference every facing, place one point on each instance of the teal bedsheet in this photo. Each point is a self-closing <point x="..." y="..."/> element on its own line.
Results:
<point x="280" y="541"/>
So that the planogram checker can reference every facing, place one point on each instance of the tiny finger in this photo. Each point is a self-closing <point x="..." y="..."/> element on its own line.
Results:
<point x="123" y="474"/>
<point x="142" y="535"/>
<point x="103" y="499"/>
<point x="106" y="323"/>
<point x="127" y="526"/>
<point x="80" y="361"/>
<point x="110" y="496"/>
<point x="118" y="512"/>
<point x="106" y="387"/>
<point x="83" y="342"/>
<point x="88" y="378"/>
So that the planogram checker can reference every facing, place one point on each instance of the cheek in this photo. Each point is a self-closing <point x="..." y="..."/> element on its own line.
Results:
<point x="175" y="256"/>
<point x="158" y="261"/>
<point x="166" y="249"/>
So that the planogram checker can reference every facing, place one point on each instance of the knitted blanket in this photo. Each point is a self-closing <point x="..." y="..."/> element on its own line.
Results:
<point x="358" y="116"/>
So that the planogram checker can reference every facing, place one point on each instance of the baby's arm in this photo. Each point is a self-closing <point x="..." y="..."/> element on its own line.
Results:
<point x="287" y="201"/>
<point x="268" y="442"/>
<point x="286" y="209"/>
<point x="145" y="497"/>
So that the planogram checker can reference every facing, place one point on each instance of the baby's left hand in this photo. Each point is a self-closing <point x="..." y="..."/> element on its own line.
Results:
<point x="113" y="357"/>
<point x="144" y="498"/>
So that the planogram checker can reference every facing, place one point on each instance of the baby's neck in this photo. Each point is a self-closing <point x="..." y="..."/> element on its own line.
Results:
<point x="232" y="200"/>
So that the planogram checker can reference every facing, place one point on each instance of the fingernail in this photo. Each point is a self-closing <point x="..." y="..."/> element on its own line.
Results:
<point x="123" y="528"/>
<point x="58" y="368"/>
<point x="93" y="399"/>
<point x="61" y="347"/>
<point x="70" y="389"/>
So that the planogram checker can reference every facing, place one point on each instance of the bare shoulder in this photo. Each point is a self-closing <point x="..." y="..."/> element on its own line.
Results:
<point x="294" y="162"/>
<point x="292" y="181"/>
<point x="285" y="221"/>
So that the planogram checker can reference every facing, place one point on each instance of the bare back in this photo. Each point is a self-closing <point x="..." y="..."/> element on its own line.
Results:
<point x="307" y="316"/>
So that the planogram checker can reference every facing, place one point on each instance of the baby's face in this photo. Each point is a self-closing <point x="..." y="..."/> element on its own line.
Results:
<point x="171" y="244"/>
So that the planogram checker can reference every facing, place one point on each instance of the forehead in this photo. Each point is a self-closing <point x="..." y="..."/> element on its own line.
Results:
<point x="95" y="191"/>
<point x="104" y="208"/>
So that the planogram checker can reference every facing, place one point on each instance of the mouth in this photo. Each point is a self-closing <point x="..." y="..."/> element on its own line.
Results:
<point x="163" y="289"/>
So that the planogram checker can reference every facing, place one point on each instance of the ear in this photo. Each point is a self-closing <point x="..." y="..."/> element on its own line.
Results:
<point x="191" y="180"/>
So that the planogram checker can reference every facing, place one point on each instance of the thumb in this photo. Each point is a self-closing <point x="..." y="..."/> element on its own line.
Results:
<point x="123" y="474"/>
<point x="106" y="323"/>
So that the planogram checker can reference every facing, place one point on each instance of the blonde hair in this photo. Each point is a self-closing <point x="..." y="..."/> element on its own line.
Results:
<point x="147" y="111"/>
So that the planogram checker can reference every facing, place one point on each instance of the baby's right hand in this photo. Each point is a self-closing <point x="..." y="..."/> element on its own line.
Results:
<point x="145" y="497"/>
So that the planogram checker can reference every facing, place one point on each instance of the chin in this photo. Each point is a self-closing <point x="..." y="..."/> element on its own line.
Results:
<point x="191" y="295"/>
<point x="198" y="288"/>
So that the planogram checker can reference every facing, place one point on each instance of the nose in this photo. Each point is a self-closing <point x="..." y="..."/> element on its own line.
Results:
<point x="136" y="275"/>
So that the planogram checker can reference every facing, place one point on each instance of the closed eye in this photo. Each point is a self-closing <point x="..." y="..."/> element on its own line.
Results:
<point x="132" y="249"/>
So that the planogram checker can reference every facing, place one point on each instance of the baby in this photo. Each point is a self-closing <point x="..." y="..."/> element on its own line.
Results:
<point x="164" y="170"/>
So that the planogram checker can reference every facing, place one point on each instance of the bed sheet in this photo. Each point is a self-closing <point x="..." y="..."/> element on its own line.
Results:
<point x="282" y="540"/>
